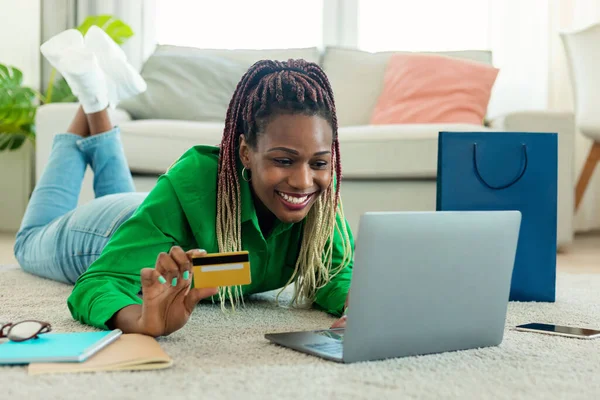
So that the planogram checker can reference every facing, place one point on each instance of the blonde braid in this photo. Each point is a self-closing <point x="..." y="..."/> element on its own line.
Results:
<point x="314" y="269"/>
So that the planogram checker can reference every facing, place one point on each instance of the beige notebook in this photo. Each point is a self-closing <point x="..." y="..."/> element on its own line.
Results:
<point x="128" y="352"/>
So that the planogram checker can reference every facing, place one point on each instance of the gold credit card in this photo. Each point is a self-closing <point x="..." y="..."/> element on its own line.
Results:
<point x="221" y="269"/>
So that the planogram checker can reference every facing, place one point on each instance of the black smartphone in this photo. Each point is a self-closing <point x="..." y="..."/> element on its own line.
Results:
<point x="569" y="331"/>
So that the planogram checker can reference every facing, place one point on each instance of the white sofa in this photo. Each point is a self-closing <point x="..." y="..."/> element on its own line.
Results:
<point x="388" y="167"/>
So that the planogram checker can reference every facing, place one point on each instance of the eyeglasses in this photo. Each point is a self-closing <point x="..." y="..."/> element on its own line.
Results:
<point x="24" y="330"/>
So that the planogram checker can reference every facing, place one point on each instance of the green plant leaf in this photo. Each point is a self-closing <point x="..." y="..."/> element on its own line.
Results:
<point x="11" y="142"/>
<point x="17" y="109"/>
<point x="16" y="115"/>
<point x="61" y="92"/>
<point x="118" y="30"/>
<point x="98" y="20"/>
<point x="11" y="89"/>
<point x="10" y="76"/>
<point x="14" y="134"/>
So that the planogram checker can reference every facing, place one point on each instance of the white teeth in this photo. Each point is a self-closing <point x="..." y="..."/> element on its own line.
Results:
<point x="293" y="200"/>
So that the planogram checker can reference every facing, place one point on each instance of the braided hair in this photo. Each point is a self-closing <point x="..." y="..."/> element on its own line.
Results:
<point x="268" y="89"/>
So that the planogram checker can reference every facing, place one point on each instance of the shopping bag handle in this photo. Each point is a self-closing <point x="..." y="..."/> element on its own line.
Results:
<point x="524" y="147"/>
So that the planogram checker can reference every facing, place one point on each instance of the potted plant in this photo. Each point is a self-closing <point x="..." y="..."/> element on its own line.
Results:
<point x="18" y="106"/>
<point x="18" y="103"/>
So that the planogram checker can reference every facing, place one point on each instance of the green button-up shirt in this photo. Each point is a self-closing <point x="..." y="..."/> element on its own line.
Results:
<point x="181" y="211"/>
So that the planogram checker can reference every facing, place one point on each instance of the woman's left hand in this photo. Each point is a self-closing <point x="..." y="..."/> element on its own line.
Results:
<point x="340" y="323"/>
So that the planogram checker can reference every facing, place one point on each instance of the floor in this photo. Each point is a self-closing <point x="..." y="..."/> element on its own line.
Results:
<point x="582" y="256"/>
<point x="7" y="241"/>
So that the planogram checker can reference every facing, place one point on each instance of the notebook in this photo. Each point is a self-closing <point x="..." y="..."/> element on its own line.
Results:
<point x="128" y="352"/>
<point x="57" y="347"/>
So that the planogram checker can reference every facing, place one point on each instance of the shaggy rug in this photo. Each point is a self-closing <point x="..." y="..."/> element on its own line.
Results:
<point x="219" y="356"/>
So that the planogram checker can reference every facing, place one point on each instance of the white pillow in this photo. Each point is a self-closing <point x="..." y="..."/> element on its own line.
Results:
<point x="185" y="83"/>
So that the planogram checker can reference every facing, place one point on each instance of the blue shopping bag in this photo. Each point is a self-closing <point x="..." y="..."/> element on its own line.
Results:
<point x="508" y="171"/>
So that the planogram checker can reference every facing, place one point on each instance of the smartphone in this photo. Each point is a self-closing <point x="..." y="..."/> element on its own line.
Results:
<point x="569" y="331"/>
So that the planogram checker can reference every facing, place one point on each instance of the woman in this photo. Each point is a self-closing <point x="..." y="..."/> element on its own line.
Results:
<point x="271" y="188"/>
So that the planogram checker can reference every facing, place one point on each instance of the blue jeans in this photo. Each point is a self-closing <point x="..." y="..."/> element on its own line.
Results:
<point x="59" y="240"/>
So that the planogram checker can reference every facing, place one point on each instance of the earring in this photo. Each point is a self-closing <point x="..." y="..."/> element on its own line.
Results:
<point x="248" y="173"/>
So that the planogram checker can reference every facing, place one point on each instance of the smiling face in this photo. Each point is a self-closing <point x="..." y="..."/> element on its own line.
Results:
<point x="290" y="164"/>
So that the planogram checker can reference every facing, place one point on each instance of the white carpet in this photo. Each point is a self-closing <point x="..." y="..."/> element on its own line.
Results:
<point x="226" y="357"/>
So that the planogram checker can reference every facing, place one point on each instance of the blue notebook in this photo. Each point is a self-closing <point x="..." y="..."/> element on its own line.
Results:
<point x="57" y="347"/>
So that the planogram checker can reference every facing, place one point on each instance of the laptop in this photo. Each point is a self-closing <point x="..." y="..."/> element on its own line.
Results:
<point x="423" y="283"/>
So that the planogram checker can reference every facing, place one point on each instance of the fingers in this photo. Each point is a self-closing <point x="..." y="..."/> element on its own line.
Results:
<point x="167" y="268"/>
<point x="195" y="253"/>
<point x="184" y="264"/>
<point x="340" y="323"/>
<point x="174" y="268"/>
<point x="152" y="282"/>
<point x="195" y="295"/>
<point x="178" y="255"/>
<point x="149" y="276"/>
<point x="191" y="254"/>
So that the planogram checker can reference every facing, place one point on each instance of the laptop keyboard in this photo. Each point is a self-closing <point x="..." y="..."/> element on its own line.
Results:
<point x="336" y="334"/>
<point x="331" y="348"/>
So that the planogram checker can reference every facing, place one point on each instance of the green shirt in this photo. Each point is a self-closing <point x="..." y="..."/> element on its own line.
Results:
<point x="181" y="211"/>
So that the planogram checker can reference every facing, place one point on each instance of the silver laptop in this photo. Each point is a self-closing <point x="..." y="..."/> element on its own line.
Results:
<point x="423" y="283"/>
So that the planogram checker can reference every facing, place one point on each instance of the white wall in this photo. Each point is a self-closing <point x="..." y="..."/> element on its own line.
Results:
<point x="570" y="15"/>
<point x="20" y="31"/>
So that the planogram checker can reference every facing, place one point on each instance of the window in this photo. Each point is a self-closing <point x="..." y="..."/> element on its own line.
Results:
<point x="424" y="25"/>
<point x="515" y="31"/>
<point x="257" y="24"/>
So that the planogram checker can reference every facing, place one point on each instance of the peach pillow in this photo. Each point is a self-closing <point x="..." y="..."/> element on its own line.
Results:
<point x="427" y="88"/>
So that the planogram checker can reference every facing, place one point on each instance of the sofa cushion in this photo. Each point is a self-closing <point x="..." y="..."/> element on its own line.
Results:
<point x="185" y="83"/>
<point x="385" y="151"/>
<point x="428" y="88"/>
<point x="185" y="87"/>
<point x="356" y="78"/>
<point x="151" y="146"/>
<point x="245" y="56"/>
<point x="405" y="151"/>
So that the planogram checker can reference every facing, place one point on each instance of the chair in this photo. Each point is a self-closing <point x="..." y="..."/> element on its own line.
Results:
<point x="582" y="48"/>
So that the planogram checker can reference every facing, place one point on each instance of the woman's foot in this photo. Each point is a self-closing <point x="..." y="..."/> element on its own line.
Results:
<point x="66" y="52"/>
<point x="122" y="79"/>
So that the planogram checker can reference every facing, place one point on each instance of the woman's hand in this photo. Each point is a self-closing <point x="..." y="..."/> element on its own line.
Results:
<point x="168" y="299"/>
<point x="341" y="323"/>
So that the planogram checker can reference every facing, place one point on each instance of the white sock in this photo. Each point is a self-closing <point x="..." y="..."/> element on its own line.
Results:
<point x="54" y="48"/>
<point x="66" y="52"/>
<point x="86" y="79"/>
<point x="122" y="79"/>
